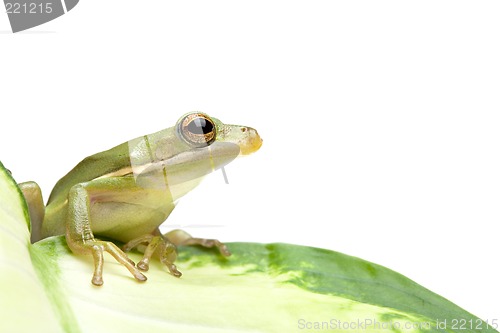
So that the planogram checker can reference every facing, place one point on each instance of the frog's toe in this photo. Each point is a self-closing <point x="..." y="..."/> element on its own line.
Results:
<point x="152" y="241"/>
<point x="168" y="255"/>
<point x="137" y="241"/>
<point x="209" y="243"/>
<point x="172" y="268"/>
<point x="143" y="265"/>
<point x="180" y="237"/>
<point x="224" y="250"/>
<point x="97" y="280"/>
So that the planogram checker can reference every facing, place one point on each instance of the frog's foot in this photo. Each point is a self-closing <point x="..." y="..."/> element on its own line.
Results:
<point x="158" y="244"/>
<point x="97" y="248"/>
<point x="180" y="237"/>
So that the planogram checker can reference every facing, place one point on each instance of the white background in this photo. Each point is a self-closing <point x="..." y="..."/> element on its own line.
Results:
<point x="380" y="120"/>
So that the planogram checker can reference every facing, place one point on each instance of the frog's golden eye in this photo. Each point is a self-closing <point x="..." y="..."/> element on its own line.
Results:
<point x="198" y="129"/>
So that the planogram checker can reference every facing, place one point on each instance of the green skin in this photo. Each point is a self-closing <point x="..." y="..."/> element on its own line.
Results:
<point x="127" y="192"/>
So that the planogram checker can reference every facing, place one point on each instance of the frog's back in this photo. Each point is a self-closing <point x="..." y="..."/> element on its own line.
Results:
<point x="90" y="168"/>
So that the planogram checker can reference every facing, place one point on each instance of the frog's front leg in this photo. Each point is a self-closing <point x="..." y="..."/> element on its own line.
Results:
<point x="166" y="247"/>
<point x="159" y="244"/>
<point x="80" y="237"/>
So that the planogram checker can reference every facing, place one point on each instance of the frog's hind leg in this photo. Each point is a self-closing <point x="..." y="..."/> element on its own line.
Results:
<point x="180" y="237"/>
<point x="36" y="208"/>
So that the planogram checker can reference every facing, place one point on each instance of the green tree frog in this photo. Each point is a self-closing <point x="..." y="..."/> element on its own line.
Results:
<point x="127" y="192"/>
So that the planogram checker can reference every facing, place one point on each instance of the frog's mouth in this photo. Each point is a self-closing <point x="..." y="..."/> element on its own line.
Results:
<point x="245" y="137"/>
<point x="251" y="143"/>
<point x="191" y="164"/>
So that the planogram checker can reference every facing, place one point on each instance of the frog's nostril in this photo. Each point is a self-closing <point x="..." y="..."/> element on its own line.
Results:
<point x="243" y="129"/>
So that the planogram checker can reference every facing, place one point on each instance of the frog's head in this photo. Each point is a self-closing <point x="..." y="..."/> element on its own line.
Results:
<point x="181" y="155"/>
<point x="200" y="145"/>
<point x="199" y="130"/>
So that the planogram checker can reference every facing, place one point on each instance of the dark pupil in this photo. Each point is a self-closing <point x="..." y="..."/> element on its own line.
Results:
<point x="200" y="126"/>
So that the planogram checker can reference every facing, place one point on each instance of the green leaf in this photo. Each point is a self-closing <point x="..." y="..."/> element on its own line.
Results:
<point x="261" y="288"/>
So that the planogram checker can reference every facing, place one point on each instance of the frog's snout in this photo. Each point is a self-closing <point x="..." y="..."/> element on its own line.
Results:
<point x="252" y="141"/>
